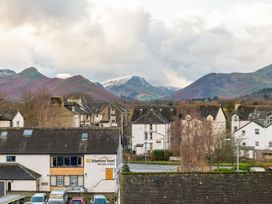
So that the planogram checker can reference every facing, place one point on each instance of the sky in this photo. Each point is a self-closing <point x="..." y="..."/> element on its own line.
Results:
<point x="170" y="43"/>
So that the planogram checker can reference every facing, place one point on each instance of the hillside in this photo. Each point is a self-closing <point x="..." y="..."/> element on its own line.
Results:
<point x="226" y="85"/>
<point x="31" y="79"/>
<point x="136" y="88"/>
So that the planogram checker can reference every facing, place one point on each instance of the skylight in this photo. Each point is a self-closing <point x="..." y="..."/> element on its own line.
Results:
<point x="84" y="136"/>
<point x="28" y="132"/>
<point x="4" y="134"/>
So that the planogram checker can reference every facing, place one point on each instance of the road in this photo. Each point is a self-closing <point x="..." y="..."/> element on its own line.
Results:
<point x="152" y="168"/>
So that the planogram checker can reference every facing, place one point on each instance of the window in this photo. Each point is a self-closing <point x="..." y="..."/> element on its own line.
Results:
<point x="243" y="132"/>
<point x="146" y="136"/>
<point x="11" y="158"/>
<point x="66" y="161"/>
<point x="67" y="181"/>
<point x="28" y="132"/>
<point x="17" y="123"/>
<point x="73" y="181"/>
<point x="244" y="144"/>
<point x="4" y="134"/>
<point x="234" y="128"/>
<point x="270" y="144"/>
<point x="150" y="126"/>
<point x="257" y="131"/>
<point x="151" y="136"/>
<point x="270" y="120"/>
<point x="235" y="118"/>
<point x="109" y="173"/>
<point x="60" y="161"/>
<point x="84" y="136"/>
<point x="60" y="181"/>
<point x="256" y="144"/>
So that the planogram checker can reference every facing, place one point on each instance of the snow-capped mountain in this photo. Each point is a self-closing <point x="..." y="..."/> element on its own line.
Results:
<point x="6" y="72"/>
<point x="136" y="88"/>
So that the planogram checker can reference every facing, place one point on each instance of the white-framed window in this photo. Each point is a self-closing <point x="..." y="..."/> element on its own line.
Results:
<point x="244" y="144"/>
<point x="257" y="144"/>
<point x="270" y="144"/>
<point x="146" y="137"/>
<point x="151" y="136"/>
<point x="235" y="128"/>
<point x="257" y="131"/>
<point x="235" y="118"/>
<point x="59" y="181"/>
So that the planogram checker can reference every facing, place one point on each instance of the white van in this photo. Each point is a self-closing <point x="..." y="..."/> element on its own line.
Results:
<point x="59" y="196"/>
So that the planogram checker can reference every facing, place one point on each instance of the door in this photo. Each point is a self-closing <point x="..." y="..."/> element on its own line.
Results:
<point x="2" y="188"/>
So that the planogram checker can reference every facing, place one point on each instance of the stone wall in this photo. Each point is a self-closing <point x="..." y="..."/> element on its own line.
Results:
<point x="196" y="188"/>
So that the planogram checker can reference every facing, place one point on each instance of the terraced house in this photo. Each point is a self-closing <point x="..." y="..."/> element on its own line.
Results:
<point x="89" y="158"/>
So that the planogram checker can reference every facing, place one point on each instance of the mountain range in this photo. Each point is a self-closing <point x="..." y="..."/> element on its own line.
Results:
<point x="231" y="85"/>
<point x="137" y="88"/>
<point x="14" y="84"/>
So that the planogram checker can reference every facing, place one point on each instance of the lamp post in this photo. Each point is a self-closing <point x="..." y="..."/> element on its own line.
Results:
<point x="237" y="141"/>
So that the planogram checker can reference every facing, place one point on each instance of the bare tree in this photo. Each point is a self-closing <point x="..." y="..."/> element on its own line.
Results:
<point x="194" y="135"/>
<point x="34" y="108"/>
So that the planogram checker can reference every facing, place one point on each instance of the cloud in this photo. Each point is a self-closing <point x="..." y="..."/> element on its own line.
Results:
<point x="103" y="41"/>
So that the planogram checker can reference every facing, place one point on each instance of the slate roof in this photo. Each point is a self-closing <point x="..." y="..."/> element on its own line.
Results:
<point x="151" y="117"/>
<point x="77" y="108"/>
<point x="7" y="114"/>
<point x="16" y="171"/>
<point x="166" y="112"/>
<point x="244" y="112"/>
<point x="60" y="141"/>
<point x="119" y="107"/>
<point x="206" y="110"/>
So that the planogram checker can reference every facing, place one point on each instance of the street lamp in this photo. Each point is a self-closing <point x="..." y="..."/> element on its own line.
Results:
<point x="237" y="141"/>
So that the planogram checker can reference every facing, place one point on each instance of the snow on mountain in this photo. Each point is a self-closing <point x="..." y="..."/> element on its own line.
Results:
<point x="120" y="80"/>
<point x="63" y="76"/>
<point x="6" y="72"/>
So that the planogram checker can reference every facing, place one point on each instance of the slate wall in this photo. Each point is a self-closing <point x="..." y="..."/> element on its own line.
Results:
<point x="196" y="188"/>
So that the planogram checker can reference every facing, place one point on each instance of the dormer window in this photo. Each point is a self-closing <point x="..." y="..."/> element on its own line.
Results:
<point x="4" y="134"/>
<point x="235" y="118"/>
<point x="84" y="136"/>
<point x="28" y="132"/>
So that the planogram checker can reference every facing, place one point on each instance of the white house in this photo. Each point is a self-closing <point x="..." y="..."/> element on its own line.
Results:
<point x="216" y="114"/>
<point x="11" y="118"/>
<point x="254" y="134"/>
<point x="90" y="158"/>
<point x="151" y="129"/>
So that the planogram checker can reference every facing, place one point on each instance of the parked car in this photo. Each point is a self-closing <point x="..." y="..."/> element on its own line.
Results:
<point x="77" y="189"/>
<point x="257" y="169"/>
<point x="78" y="200"/>
<point x="11" y="199"/>
<point x="99" y="199"/>
<point x="59" y="196"/>
<point x="38" y="198"/>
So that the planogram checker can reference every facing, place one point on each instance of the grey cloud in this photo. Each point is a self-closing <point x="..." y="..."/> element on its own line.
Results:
<point x="39" y="12"/>
<point x="119" y="42"/>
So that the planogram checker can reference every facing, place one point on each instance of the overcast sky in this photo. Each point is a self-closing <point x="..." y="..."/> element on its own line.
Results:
<point x="169" y="42"/>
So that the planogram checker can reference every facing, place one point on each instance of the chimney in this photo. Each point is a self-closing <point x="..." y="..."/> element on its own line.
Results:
<point x="237" y="105"/>
<point x="57" y="101"/>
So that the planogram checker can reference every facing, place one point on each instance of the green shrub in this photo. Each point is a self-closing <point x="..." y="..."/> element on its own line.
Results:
<point x="160" y="155"/>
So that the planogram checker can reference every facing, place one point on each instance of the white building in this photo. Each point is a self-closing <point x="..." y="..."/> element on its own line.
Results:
<point x="90" y="158"/>
<point x="151" y="129"/>
<point x="11" y="118"/>
<point x="254" y="133"/>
